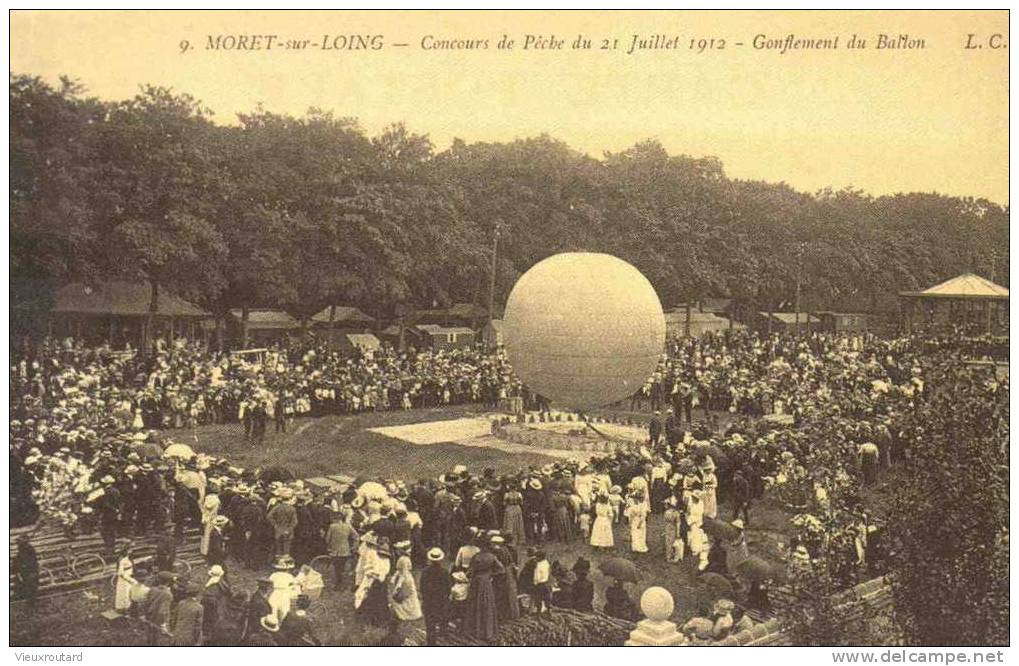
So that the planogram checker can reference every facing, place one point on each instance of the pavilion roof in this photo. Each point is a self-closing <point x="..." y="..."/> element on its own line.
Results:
<point x="964" y="286"/>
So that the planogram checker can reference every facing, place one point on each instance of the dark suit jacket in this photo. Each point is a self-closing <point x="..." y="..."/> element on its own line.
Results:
<point x="436" y="584"/>
<point x="188" y="629"/>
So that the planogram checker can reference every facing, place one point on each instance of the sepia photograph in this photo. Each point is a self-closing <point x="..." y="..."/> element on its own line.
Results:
<point x="485" y="328"/>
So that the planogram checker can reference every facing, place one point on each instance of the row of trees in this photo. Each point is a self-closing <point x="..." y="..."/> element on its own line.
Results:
<point x="300" y="212"/>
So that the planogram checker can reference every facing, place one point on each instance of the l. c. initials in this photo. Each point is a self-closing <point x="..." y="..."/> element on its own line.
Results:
<point x="994" y="42"/>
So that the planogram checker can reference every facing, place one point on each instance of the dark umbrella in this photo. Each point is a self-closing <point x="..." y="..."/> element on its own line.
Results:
<point x="755" y="569"/>
<point x="270" y="474"/>
<point x="148" y="450"/>
<point x="719" y="529"/>
<point x="718" y="585"/>
<point x="720" y="457"/>
<point x="620" y="569"/>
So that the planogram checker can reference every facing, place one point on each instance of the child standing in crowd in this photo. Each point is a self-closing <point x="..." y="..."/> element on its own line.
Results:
<point x="584" y="522"/>
<point x="458" y="597"/>
<point x="616" y="502"/>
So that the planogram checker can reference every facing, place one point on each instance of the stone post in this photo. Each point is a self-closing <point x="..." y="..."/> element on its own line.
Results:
<point x="656" y="630"/>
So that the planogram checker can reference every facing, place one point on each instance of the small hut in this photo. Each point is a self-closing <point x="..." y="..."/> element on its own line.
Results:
<point x="265" y="326"/>
<point x="115" y="312"/>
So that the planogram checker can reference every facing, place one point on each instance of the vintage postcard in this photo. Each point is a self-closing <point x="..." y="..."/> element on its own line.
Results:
<point x="490" y="328"/>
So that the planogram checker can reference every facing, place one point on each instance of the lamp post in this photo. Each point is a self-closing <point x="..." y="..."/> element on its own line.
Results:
<point x="491" y="282"/>
<point x="799" y="269"/>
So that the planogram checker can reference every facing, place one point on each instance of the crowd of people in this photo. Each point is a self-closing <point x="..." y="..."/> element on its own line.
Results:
<point x="463" y="552"/>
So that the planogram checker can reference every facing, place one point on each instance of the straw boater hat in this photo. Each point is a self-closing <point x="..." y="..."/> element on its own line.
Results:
<point x="497" y="538"/>
<point x="284" y="563"/>
<point x="269" y="623"/>
<point x="401" y="546"/>
<point x="220" y="521"/>
<point x="535" y="484"/>
<point x="436" y="555"/>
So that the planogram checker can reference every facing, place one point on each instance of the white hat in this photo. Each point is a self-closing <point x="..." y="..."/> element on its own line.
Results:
<point x="738" y="523"/>
<point x="269" y="623"/>
<point x="436" y="555"/>
<point x="216" y="571"/>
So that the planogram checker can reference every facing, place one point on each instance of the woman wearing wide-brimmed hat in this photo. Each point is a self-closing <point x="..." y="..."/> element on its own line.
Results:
<point x="217" y="546"/>
<point x="709" y="482"/>
<point x="371" y="599"/>
<point x="210" y="510"/>
<point x="636" y="513"/>
<point x="506" y="583"/>
<point x="466" y="553"/>
<point x="601" y="530"/>
<point x="284" y="586"/>
<point x="481" y="618"/>
<point x="403" y="594"/>
<point x="125" y="578"/>
<point x="513" y="513"/>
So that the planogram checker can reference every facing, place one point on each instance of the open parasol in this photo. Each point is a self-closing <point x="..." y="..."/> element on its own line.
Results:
<point x="719" y="529"/>
<point x="720" y="457"/>
<point x="372" y="490"/>
<point x="620" y="569"/>
<point x="755" y="569"/>
<point x="270" y="474"/>
<point x="179" y="451"/>
<point x="718" y="586"/>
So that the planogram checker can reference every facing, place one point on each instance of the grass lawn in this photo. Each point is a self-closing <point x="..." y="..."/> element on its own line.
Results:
<point x="343" y="445"/>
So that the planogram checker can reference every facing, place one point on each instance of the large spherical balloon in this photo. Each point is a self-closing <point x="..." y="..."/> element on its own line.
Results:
<point x="583" y="329"/>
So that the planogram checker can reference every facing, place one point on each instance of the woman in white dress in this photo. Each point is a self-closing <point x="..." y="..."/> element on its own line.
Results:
<point x="637" y="513"/>
<point x="403" y="597"/>
<point x="125" y="581"/>
<point x="284" y="587"/>
<point x="601" y="531"/>
<point x="210" y="509"/>
<point x="710" y="482"/>
<point x="695" y="508"/>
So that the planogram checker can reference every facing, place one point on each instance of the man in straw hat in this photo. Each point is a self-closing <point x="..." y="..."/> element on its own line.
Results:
<point x="535" y="507"/>
<point x="256" y="608"/>
<point x="341" y="542"/>
<point x="267" y="633"/>
<point x="436" y="584"/>
<point x="283" y="518"/>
